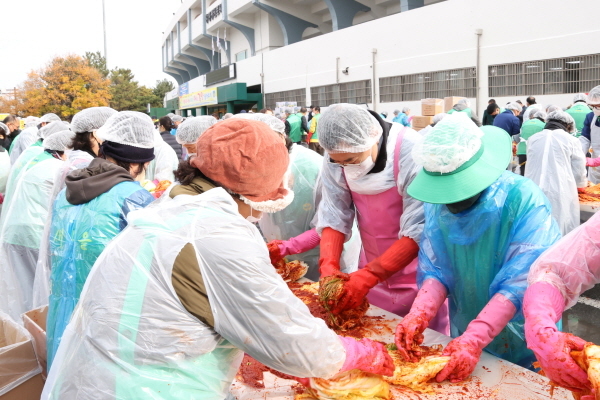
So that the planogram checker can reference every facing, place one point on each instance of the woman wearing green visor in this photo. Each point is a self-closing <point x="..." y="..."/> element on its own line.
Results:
<point x="484" y="227"/>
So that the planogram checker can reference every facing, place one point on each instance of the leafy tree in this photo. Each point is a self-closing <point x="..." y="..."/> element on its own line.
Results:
<point x="161" y="89"/>
<point x="127" y="94"/>
<point x="65" y="86"/>
<point x="97" y="61"/>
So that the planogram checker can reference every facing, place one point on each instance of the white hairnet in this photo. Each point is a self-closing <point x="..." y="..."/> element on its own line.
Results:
<point x="32" y="121"/>
<point x="228" y="115"/>
<point x="49" y="118"/>
<point x="439" y="117"/>
<point x="594" y="96"/>
<point x="465" y="102"/>
<point x="289" y="110"/>
<point x="541" y="114"/>
<point x="450" y="144"/>
<point x="405" y="109"/>
<point x="579" y="97"/>
<point x="561" y="116"/>
<point x="552" y="108"/>
<point x="90" y="119"/>
<point x="170" y="115"/>
<point x="190" y="130"/>
<point x="396" y="112"/>
<point x="130" y="128"/>
<point x="177" y="118"/>
<point x="60" y="141"/>
<point x="348" y="128"/>
<point x="4" y="128"/>
<point x="514" y="106"/>
<point x="52" y="128"/>
<point x="274" y="123"/>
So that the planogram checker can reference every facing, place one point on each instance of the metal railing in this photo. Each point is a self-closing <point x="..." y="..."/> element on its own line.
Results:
<point x="297" y="95"/>
<point x="358" y="92"/>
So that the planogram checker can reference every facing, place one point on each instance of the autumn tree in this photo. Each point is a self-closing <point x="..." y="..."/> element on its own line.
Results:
<point x="127" y="93"/>
<point x="65" y="86"/>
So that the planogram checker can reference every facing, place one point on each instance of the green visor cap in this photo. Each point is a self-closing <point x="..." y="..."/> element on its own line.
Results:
<point x="471" y="178"/>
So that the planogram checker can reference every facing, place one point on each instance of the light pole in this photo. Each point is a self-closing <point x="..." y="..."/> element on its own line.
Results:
<point x="104" y="28"/>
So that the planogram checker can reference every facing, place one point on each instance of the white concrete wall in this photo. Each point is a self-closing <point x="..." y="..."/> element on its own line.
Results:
<point x="432" y="38"/>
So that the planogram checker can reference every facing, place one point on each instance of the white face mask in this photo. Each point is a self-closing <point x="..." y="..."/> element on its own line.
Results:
<point x="357" y="171"/>
<point x="250" y="218"/>
<point x="596" y="112"/>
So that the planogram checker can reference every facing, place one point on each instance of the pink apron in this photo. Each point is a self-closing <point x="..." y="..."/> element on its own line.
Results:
<point x="379" y="223"/>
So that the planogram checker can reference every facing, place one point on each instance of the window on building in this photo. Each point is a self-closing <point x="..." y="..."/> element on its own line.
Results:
<point x="554" y="76"/>
<point x="358" y="92"/>
<point x="437" y="84"/>
<point x="297" y="95"/>
<point x="242" y="55"/>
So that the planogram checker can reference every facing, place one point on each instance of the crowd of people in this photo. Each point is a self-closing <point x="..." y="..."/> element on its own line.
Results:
<point x="469" y="228"/>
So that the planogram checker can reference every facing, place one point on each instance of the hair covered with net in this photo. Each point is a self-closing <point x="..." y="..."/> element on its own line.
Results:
<point x="594" y="96"/>
<point x="52" y="128"/>
<point x="90" y="119"/>
<point x="130" y="128"/>
<point x="60" y="141"/>
<point x="579" y="97"/>
<point x="541" y="114"/>
<point x="348" y="128"/>
<point x="274" y="123"/>
<point x="190" y="130"/>
<point x="564" y="118"/>
<point x="464" y="102"/>
<point x="451" y="143"/>
<point x="514" y="106"/>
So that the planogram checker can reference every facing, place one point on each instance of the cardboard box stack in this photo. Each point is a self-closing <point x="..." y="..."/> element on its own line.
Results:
<point x="20" y="373"/>
<point x="419" y="122"/>
<point x="35" y="323"/>
<point x="431" y="107"/>
<point x="449" y="102"/>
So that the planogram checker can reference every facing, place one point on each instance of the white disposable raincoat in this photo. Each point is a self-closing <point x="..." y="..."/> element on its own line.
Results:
<point x="165" y="161"/>
<point x="304" y="179"/>
<point x="131" y="338"/>
<point x="41" y="285"/>
<point x="25" y="139"/>
<point x="4" y="170"/>
<point x="557" y="165"/>
<point x="21" y="233"/>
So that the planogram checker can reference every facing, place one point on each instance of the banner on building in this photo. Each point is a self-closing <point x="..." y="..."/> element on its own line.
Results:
<point x="198" y="99"/>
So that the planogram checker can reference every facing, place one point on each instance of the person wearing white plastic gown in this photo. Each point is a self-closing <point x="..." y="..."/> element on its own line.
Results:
<point x="290" y="232"/>
<point x="557" y="165"/>
<point x="556" y="280"/>
<point x="29" y="136"/>
<point x="92" y="210"/>
<point x="365" y="175"/>
<point x="590" y="134"/>
<point x="190" y="130"/>
<point x="24" y="224"/>
<point x="29" y="154"/>
<point x="164" y="163"/>
<point x="84" y="148"/>
<point x="4" y="170"/>
<point x="174" y="301"/>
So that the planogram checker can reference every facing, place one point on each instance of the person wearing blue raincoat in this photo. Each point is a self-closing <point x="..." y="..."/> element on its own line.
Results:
<point x="92" y="210"/>
<point x="484" y="228"/>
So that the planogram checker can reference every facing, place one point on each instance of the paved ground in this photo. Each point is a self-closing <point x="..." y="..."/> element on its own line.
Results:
<point x="583" y="319"/>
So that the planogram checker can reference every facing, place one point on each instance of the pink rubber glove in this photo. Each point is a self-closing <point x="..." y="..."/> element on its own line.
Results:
<point x="465" y="350"/>
<point x="366" y="355"/>
<point x="543" y="306"/>
<point x="304" y="242"/>
<point x="409" y="332"/>
<point x="592" y="162"/>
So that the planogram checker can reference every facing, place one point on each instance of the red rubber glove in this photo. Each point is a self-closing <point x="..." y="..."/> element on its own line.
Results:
<point x="592" y="162"/>
<point x="274" y="251"/>
<point x="543" y="306"/>
<point x="465" y="350"/>
<point x="367" y="355"/>
<point x="409" y="332"/>
<point x="1" y="198"/>
<point x="398" y="256"/>
<point x="332" y="244"/>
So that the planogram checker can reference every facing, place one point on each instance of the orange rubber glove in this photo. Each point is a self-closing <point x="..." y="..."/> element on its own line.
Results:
<point x="394" y="259"/>
<point x="332" y="244"/>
